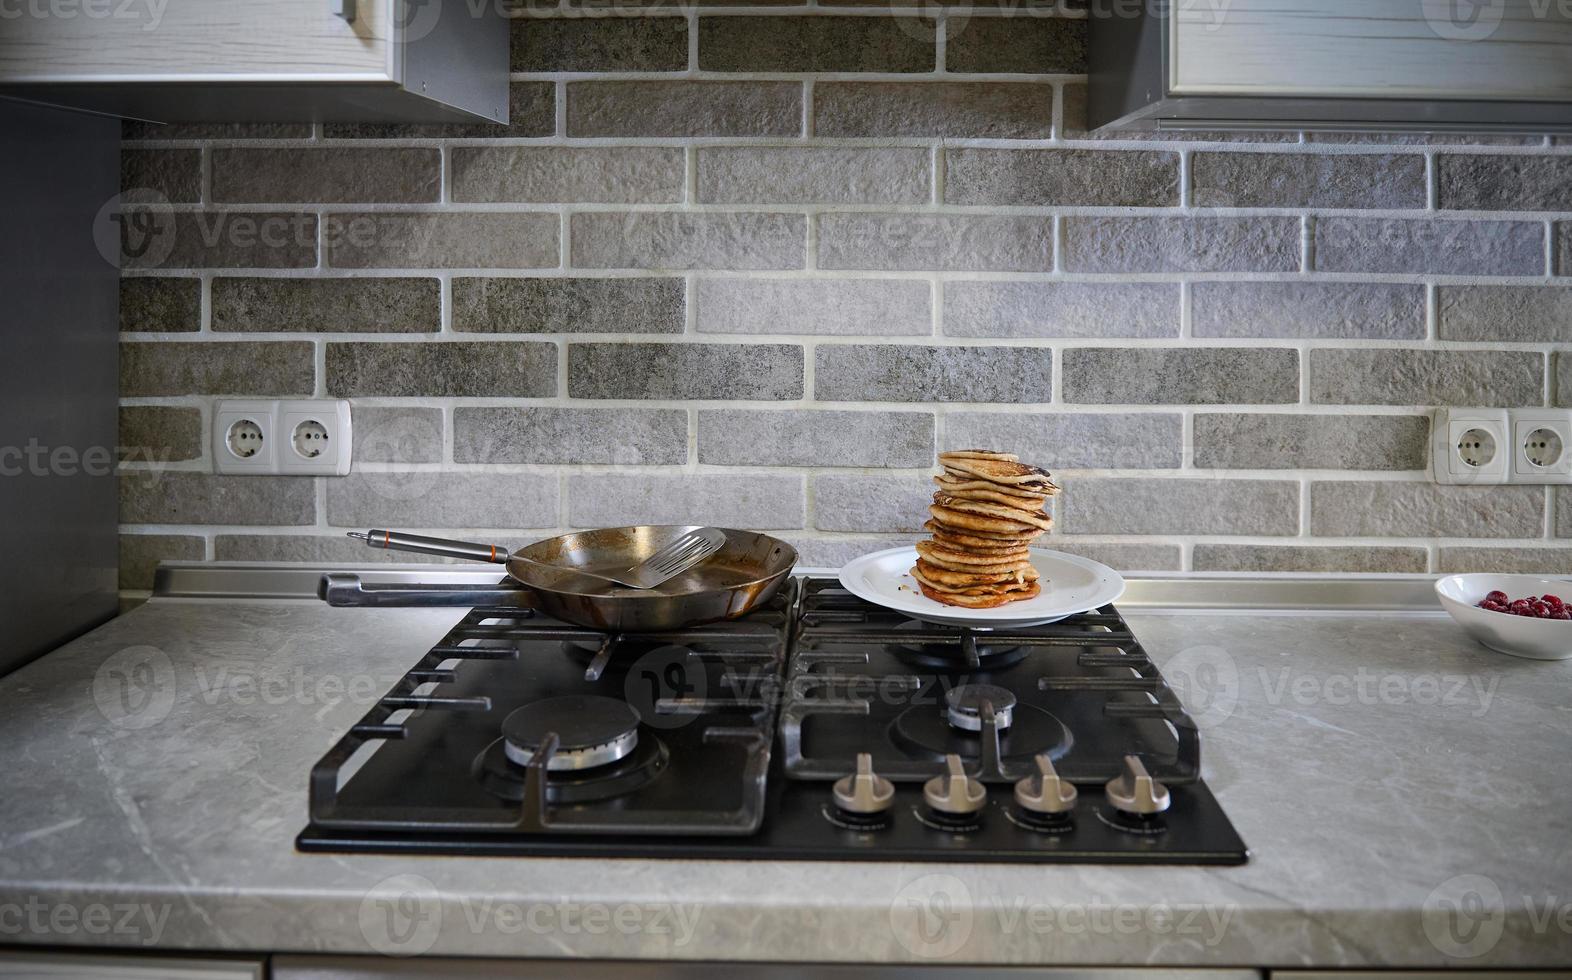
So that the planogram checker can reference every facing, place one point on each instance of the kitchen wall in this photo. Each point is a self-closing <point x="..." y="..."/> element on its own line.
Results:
<point x="752" y="267"/>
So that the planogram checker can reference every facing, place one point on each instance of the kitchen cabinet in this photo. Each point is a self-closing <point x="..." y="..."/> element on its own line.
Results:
<point x="1379" y="65"/>
<point x="262" y="60"/>
<point x="70" y="966"/>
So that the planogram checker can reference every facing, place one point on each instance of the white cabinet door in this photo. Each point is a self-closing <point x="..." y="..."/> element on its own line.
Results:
<point x="69" y="966"/>
<point x="192" y="40"/>
<point x="1503" y="50"/>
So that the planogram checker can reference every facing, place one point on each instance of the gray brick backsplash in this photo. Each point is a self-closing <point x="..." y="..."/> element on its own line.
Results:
<point x="1426" y="377"/>
<point x="546" y="174"/>
<point x="1295" y="180"/>
<point x="1091" y="178"/>
<point x="1073" y="440"/>
<point x="870" y="503"/>
<point x="177" y="497"/>
<point x="1180" y="376"/>
<point x="833" y="552"/>
<point x="461" y="240"/>
<point x="669" y="240"/>
<point x="805" y="437"/>
<point x="218" y="240"/>
<point x="161" y="176"/>
<point x="1025" y="44"/>
<point x="359" y="305"/>
<point x="1120" y="556"/>
<point x="1408" y="510"/>
<point x="153" y="303"/>
<point x="141" y="553"/>
<point x="813" y="44"/>
<point x="869" y="372"/>
<point x="621" y="436"/>
<point x="603" y="310"/>
<point x="1518" y="314"/>
<point x="1543" y="561"/>
<point x="1504" y="183"/>
<point x="341" y="175"/>
<point x="1162" y="506"/>
<point x="944" y="242"/>
<point x="157" y="434"/>
<point x="405" y="434"/>
<point x="1129" y="244"/>
<point x="430" y="499"/>
<point x="757" y="501"/>
<point x="160" y="433"/>
<point x="813" y="175"/>
<point x="410" y="370"/>
<point x="974" y="308"/>
<point x="1310" y="310"/>
<point x="240" y="368"/>
<point x="600" y="44"/>
<point x="1438" y="246"/>
<point x="621" y="306"/>
<point x="686" y="371"/>
<point x="954" y="110"/>
<point x="1307" y="558"/>
<point x="868" y="307"/>
<point x="532" y="111"/>
<point x="1311" y="442"/>
<point x="684" y="108"/>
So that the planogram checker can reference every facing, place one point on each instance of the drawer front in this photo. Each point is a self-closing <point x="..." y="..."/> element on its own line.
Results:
<point x="70" y="966"/>
<point x="193" y="40"/>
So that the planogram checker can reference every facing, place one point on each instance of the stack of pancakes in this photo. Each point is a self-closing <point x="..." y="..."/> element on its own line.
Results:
<point x="988" y="509"/>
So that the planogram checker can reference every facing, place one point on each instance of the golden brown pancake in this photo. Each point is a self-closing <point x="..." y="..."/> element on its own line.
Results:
<point x="961" y="561"/>
<point x="954" y="484"/>
<point x="976" y="540"/>
<point x="994" y="496"/>
<point x="935" y="575"/>
<point x="983" y="508"/>
<point x="1000" y="471"/>
<point x="978" y="454"/>
<point x="968" y="523"/>
<point x="1030" y="591"/>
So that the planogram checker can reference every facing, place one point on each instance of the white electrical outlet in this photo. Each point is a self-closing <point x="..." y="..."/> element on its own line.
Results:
<point x="314" y="437"/>
<point x="293" y="437"/>
<point x="244" y="438"/>
<point x="1541" y="445"/>
<point x="1471" y="445"/>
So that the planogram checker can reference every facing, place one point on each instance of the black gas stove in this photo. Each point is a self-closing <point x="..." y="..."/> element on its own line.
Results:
<point x="820" y="727"/>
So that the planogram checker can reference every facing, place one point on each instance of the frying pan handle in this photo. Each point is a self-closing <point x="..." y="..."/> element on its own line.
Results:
<point x="399" y="541"/>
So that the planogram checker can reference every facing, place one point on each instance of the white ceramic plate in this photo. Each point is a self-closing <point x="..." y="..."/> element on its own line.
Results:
<point x="1534" y="639"/>
<point x="1070" y="584"/>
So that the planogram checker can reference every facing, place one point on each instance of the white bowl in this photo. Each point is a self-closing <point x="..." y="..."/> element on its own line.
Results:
<point x="1520" y="636"/>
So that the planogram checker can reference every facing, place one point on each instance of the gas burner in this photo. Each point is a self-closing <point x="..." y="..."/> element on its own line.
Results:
<point x="497" y="772"/>
<point x="928" y="734"/>
<point x="591" y="731"/>
<point x="944" y="648"/>
<point x="964" y="706"/>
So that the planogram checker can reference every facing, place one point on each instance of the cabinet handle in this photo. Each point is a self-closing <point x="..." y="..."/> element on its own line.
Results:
<point x="344" y="9"/>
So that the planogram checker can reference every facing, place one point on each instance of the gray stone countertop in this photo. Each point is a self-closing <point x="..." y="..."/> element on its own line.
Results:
<point x="1404" y="791"/>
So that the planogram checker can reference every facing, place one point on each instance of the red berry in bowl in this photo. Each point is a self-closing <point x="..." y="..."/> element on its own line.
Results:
<point x="1521" y="608"/>
<point x="1498" y="596"/>
<point x="1563" y="613"/>
<point x="1553" y="601"/>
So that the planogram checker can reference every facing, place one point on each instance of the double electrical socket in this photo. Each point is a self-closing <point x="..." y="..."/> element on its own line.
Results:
<point x="292" y="437"/>
<point x="1500" y="445"/>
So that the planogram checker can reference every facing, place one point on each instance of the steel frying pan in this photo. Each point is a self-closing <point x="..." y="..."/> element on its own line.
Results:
<point x="747" y="570"/>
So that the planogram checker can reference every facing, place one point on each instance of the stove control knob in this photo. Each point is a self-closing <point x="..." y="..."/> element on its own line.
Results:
<point x="865" y="792"/>
<point x="1136" y="792"/>
<point x="1045" y="793"/>
<point x="955" y="793"/>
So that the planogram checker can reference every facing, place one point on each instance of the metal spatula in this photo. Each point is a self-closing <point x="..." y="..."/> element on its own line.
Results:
<point x="672" y="560"/>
